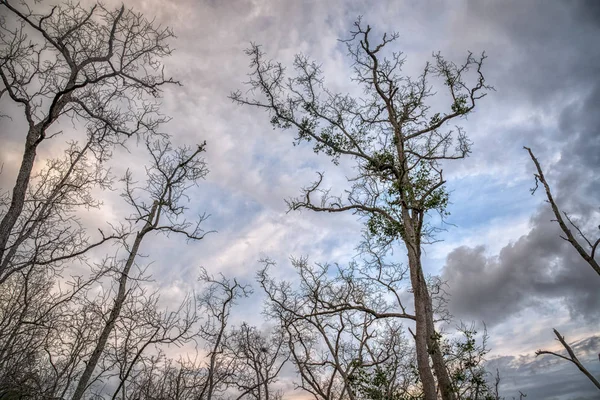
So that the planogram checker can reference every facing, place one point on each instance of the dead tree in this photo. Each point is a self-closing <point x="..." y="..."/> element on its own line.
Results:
<point x="586" y="250"/>
<point x="571" y="358"/>
<point x="34" y="309"/>
<point x="216" y="303"/>
<point x="260" y="358"/>
<point x="97" y="67"/>
<point x="141" y="332"/>
<point x="336" y="324"/>
<point x="48" y="233"/>
<point x="230" y="362"/>
<point x="157" y="207"/>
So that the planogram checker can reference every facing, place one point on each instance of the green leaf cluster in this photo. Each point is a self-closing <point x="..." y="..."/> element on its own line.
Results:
<point x="377" y="384"/>
<point x="460" y="104"/>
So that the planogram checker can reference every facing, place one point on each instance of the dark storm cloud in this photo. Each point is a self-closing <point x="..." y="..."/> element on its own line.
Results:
<point x="543" y="61"/>
<point x="536" y="268"/>
<point x="554" y="65"/>
<point x="539" y="266"/>
<point x="561" y="380"/>
<point x="589" y="11"/>
<point x="544" y="48"/>
<point x="578" y="168"/>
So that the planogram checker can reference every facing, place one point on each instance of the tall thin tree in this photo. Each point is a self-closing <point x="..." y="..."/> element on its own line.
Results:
<point x="397" y="142"/>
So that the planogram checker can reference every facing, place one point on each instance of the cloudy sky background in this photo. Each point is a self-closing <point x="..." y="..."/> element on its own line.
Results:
<point x="503" y="259"/>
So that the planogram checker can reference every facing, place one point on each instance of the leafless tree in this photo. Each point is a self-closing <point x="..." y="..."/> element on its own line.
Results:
<point x="142" y="330"/>
<point x="337" y="323"/>
<point x="232" y="363"/>
<point x="85" y="336"/>
<point x="99" y="69"/>
<point x="260" y="360"/>
<point x="35" y="307"/>
<point x="61" y="340"/>
<point x="571" y="357"/>
<point x="398" y="145"/>
<point x="586" y="249"/>
<point x="96" y="67"/>
<point x="344" y="328"/>
<point x="48" y="233"/>
<point x="165" y="378"/>
<point x="157" y="208"/>
<point x="217" y="302"/>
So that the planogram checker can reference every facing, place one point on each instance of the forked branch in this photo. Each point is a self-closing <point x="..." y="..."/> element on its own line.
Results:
<point x="571" y="358"/>
<point x="569" y="237"/>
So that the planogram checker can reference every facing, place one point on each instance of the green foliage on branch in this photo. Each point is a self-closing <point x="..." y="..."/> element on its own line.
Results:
<point x="378" y="383"/>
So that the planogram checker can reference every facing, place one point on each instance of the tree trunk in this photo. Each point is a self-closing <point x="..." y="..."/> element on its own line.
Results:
<point x="420" y="297"/>
<point x="116" y="310"/>
<point x="439" y="364"/>
<point x="425" y="373"/>
<point x="427" y="342"/>
<point x="20" y="190"/>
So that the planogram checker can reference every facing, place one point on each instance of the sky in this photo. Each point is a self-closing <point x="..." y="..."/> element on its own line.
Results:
<point x="501" y="254"/>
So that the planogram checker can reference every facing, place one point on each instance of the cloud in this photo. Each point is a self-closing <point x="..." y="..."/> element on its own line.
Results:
<point x="561" y="380"/>
<point x="537" y="268"/>
<point x="548" y="67"/>
<point x="549" y="92"/>
<point x="505" y="262"/>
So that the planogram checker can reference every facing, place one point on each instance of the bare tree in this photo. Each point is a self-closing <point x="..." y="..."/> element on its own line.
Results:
<point x="157" y="208"/>
<point x="48" y="233"/>
<point x="35" y="308"/>
<point x="47" y="330"/>
<point x="98" y="69"/>
<point x="260" y="360"/>
<point x="101" y="70"/>
<point x="165" y="378"/>
<point x="216" y="303"/>
<point x="398" y="145"/>
<point x="95" y="66"/>
<point x="141" y="332"/>
<point x="571" y="357"/>
<point x="337" y="323"/>
<point x="586" y="249"/>
<point x="231" y="362"/>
